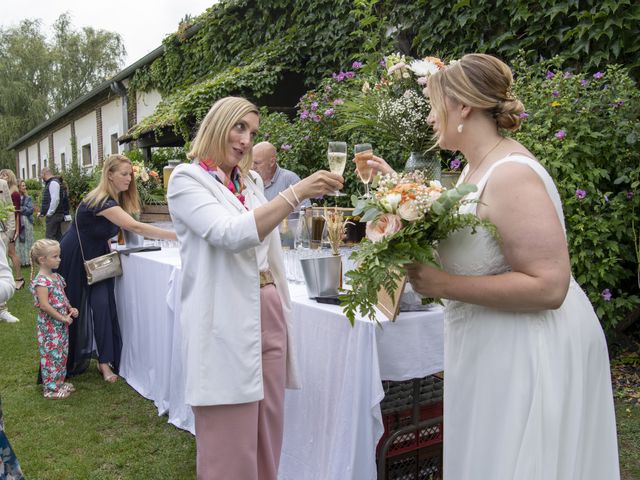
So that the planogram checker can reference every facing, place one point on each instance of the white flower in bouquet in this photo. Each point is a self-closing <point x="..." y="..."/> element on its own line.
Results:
<point x="390" y="201"/>
<point x="410" y="211"/>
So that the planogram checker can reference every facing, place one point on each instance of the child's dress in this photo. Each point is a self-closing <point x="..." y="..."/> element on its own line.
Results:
<point x="53" y="335"/>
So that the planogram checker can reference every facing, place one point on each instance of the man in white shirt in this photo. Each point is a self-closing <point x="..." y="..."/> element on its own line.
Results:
<point x="55" y="204"/>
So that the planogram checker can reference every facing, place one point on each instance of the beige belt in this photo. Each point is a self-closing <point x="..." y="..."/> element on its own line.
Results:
<point x="266" y="278"/>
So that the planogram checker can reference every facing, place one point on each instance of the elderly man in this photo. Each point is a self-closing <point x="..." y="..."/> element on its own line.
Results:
<point x="55" y="204"/>
<point x="275" y="179"/>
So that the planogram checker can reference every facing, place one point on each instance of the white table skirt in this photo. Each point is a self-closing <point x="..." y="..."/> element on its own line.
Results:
<point x="332" y="425"/>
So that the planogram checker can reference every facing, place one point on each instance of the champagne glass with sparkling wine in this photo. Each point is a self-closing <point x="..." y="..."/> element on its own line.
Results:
<point x="363" y="153"/>
<point x="337" y="156"/>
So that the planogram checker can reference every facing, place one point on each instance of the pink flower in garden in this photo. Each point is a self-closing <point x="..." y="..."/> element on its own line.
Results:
<point x="598" y="75"/>
<point x="568" y="74"/>
<point x="550" y="75"/>
<point x="584" y="82"/>
<point x="285" y="146"/>
<point x="338" y="77"/>
<point x="315" y="117"/>
<point x="329" y="112"/>
<point x="356" y="65"/>
<point x="349" y="74"/>
<point x="314" y="105"/>
<point x="560" y="134"/>
<point x="338" y="101"/>
<point x="385" y="225"/>
<point x="629" y="195"/>
<point x="454" y="164"/>
<point x="606" y="295"/>
<point x="581" y="193"/>
<point x="304" y="114"/>
<point x="524" y="115"/>
<point x="306" y="138"/>
<point x="422" y="80"/>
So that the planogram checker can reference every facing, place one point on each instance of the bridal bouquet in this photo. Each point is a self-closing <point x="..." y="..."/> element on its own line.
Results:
<point x="406" y="216"/>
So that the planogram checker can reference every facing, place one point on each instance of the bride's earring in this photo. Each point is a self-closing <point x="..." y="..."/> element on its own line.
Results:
<point x="460" y="127"/>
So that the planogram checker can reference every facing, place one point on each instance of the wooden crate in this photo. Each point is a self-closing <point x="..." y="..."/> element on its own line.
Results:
<point x="155" y="213"/>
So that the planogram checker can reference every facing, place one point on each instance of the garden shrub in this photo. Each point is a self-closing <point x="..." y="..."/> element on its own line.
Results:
<point x="585" y="129"/>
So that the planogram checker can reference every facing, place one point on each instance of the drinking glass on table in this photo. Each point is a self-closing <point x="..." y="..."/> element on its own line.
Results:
<point x="363" y="153"/>
<point x="337" y="156"/>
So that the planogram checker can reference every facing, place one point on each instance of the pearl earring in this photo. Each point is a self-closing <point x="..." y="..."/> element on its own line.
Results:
<point x="460" y="127"/>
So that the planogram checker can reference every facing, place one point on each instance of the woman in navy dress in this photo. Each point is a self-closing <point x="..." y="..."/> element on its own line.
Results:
<point x="106" y="208"/>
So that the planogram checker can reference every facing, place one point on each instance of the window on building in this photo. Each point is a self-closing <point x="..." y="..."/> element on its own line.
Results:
<point x="86" y="154"/>
<point x="114" y="143"/>
<point x="44" y="162"/>
<point x="22" y="176"/>
<point x="63" y="162"/>
<point x="33" y="171"/>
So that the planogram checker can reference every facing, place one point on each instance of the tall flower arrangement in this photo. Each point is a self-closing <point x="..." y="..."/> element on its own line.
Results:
<point x="392" y="105"/>
<point x="148" y="184"/>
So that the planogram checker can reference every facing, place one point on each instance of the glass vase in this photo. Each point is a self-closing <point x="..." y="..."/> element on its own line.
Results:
<point x="429" y="164"/>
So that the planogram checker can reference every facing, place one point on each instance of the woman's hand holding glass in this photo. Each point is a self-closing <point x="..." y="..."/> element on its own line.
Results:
<point x="318" y="184"/>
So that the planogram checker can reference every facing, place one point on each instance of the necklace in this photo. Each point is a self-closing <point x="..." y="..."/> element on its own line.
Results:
<point x="483" y="159"/>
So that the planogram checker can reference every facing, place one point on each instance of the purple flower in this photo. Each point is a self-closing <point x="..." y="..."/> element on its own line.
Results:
<point x="338" y="77"/>
<point x="555" y="93"/>
<point x="629" y="195"/>
<point x="314" y="105"/>
<point x="349" y="74"/>
<point x="304" y="114"/>
<point x="454" y="164"/>
<point x="606" y="198"/>
<point x="306" y="138"/>
<point x="598" y="75"/>
<point x="383" y="62"/>
<point x="356" y="65"/>
<point x="606" y="295"/>
<point x="338" y="101"/>
<point x="581" y="194"/>
<point x="329" y="112"/>
<point x="584" y="82"/>
<point x="568" y="74"/>
<point x="524" y="115"/>
<point x="560" y="134"/>
<point x="315" y="117"/>
<point x="550" y="75"/>
<point x="285" y="146"/>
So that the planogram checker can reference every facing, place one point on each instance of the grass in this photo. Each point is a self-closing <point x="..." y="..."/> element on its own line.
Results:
<point x="108" y="431"/>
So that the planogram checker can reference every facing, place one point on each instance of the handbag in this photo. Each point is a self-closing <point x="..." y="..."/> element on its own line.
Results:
<point x="102" y="267"/>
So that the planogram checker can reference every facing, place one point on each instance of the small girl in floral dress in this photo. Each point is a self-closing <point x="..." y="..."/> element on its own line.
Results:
<point x="54" y="318"/>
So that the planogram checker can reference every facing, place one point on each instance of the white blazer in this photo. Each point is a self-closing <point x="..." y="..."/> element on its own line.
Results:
<point x="221" y="288"/>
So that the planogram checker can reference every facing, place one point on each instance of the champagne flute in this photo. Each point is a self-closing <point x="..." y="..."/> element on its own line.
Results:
<point x="363" y="153"/>
<point x="337" y="156"/>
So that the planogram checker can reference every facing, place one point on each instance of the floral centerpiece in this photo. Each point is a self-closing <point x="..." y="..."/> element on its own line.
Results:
<point x="407" y="215"/>
<point x="148" y="184"/>
<point x="392" y="105"/>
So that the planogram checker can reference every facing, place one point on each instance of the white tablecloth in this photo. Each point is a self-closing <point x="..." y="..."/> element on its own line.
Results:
<point x="332" y="425"/>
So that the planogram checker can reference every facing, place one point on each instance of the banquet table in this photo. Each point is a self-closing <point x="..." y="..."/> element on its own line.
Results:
<point x="333" y="423"/>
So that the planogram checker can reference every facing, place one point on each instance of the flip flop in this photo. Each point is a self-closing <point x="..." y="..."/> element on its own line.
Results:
<point x="57" y="394"/>
<point x="19" y="283"/>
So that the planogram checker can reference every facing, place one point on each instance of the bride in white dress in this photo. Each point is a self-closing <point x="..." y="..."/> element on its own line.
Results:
<point x="527" y="382"/>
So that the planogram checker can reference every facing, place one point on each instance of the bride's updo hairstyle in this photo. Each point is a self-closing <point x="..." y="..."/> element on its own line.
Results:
<point x="479" y="81"/>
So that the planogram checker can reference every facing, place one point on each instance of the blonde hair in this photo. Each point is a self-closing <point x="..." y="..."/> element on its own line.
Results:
<point x="41" y="248"/>
<point x="211" y="140"/>
<point x="12" y="181"/>
<point x="479" y="81"/>
<point x="129" y="200"/>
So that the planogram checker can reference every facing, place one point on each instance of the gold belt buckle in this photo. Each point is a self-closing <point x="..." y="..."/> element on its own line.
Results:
<point x="266" y="278"/>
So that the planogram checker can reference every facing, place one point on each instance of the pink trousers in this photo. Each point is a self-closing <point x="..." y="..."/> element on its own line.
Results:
<point x="243" y="441"/>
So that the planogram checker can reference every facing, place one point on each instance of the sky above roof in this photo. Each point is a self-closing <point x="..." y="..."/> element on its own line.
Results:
<point x="142" y="24"/>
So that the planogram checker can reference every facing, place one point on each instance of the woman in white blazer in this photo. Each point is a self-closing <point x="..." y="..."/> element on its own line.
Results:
<point x="235" y="301"/>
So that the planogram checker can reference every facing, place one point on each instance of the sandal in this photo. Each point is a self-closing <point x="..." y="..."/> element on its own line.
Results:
<point x="57" y="394"/>
<point x="19" y="283"/>
<point x="68" y="386"/>
<point x="111" y="378"/>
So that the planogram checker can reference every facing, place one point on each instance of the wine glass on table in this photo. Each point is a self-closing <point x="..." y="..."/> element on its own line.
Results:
<point x="337" y="156"/>
<point x="363" y="153"/>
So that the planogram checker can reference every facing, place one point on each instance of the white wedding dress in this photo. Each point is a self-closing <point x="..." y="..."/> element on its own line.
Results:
<point x="527" y="395"/>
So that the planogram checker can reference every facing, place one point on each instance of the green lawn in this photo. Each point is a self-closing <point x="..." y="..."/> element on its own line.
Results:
<point x="108" y="431"/>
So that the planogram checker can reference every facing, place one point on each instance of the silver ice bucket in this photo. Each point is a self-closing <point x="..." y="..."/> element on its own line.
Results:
<point x="322" y="275"/>
<point x="132" y="239"/>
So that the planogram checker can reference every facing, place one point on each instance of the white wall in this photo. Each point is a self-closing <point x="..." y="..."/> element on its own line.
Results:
<point x="62" y="144"/>
<point x="111" y="123"/>
<point x="23" y="168"/>
<point x="146" y="103"/>
<point x="33" y="160"/>
<point x="44" y="153"/>
<point x="86" y="134"/>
